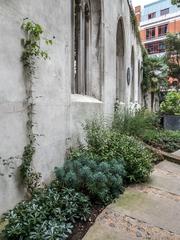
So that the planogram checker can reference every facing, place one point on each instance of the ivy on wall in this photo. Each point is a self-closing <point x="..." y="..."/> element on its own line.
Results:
<point x="135" y="23"/>
<point x="31" y="52"/>
<point x="135" y="27"/>
<point x="176" y="2"/>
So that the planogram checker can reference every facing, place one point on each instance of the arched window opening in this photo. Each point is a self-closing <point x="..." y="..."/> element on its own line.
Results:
<point x="86" y="49"/>
<point x="76" y="33"/>
<point x="120" y="61"/>
<point x="132" y="75"/>
<point x="139" y="82"/>
<point x="81" y="32"/>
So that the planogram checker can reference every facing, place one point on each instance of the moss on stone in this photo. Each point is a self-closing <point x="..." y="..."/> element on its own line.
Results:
<point x="130" y="200"/>
<point x="2" y="225"/>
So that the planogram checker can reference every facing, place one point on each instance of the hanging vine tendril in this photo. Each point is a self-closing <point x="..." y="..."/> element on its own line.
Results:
<point x="31" y="52"/>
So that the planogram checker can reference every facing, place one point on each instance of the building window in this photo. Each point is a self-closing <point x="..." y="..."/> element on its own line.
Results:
<point x="133" y="75"/>
<point x="164" y="11"/>
<point x="139" y="81"/>
<point x="155" y="47"/>
<point x="152" y="15"/>
<point x="120" y="61"/>
<point x="150" y="33"/>
<point x="162" y="30"/>
<point x="82" y="21"/>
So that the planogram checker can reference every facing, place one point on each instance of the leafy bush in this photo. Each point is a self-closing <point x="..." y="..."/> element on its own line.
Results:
<point x="137" y="157"/>
<point x="166" y="140"/>
<point x="49" y="215"/>
<point x="101" y="140"/>
<point x="145" y="126"/>
<point x="171" y="104"/>
<point x="134" y="123"/>
<point x="102" y="181"/>
<point x="109" y="144"/>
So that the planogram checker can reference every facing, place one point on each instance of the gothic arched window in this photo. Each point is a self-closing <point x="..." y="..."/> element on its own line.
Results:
<point x="132" y="75"/>
<point x="82" y="27"/>
<point x="120" y="69"/>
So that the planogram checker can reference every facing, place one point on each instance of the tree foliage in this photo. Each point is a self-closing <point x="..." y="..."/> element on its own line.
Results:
<point x="155" y="72"/>
<point x="171" y="104"/>
<point x="173" y="54"/>
<point x="176" y="2"/>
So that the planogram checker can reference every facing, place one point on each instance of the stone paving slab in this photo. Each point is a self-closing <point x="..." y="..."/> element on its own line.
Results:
<point x="150" y="208"/>
<point x="112" y="225"/>
<point x="149" y="211"/>
<point x="166" y="177"/>
<point x="177" y="153"/>
<point x="169" y="167"/>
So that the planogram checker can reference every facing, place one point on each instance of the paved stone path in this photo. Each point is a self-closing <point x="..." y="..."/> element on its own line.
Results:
<point x="150" y="211"/>
<point x="177" y="153"/>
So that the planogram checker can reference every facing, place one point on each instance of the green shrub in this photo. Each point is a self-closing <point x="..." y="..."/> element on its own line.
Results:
<point x="109" y="144"/>
<point x="166" y="140"/>
<point x="137" y="157"/>
<point x="134" y="123"/>
<point x="171" y="104"/>
<point x="145" y="126"/>
<point x="102" y="181"/>
<point x="101" y="141"/>
<point x="49" y="215"/>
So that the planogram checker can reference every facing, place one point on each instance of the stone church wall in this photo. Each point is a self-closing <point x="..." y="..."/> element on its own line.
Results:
<point x="59" y="112"/>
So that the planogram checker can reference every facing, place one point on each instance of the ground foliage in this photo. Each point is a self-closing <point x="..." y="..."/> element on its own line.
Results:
<point x="168" y="141"/>
<point x="145" y="126"/>
<point x="50" y="214"/>
<point x="133" y="123"/>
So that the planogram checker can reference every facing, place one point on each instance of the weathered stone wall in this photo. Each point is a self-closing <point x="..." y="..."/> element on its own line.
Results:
<point x="112" y="13"/>
<point x="58" y="113"/>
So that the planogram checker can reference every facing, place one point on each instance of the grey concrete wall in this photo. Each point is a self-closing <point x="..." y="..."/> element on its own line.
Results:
<point x="112" y="13"/>
<point x="58" y="114"/>
<point x="82" y="108"/>
<point x="51" y="91"/>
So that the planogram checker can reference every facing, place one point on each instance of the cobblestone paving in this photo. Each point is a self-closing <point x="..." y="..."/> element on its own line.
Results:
<point x="150" y="211"/>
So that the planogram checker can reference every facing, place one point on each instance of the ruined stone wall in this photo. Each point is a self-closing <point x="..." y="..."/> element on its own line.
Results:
<point x="58" y="113"/>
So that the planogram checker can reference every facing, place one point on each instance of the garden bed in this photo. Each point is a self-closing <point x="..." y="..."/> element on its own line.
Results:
<point x="164" y="155"/>
<point x="95" y="174"/>
<point x="168" y="141"/>
<point x="82" y="228"/>
<point x="146" y="127"/>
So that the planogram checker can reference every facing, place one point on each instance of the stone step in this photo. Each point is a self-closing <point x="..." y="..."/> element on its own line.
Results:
<point x="177" y="153"/>
<point x="138" y="215"/>
<point x="166" y="177"/>
<point x="149" y="211"/>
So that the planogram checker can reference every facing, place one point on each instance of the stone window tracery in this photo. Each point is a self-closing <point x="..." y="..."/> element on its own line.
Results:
<point x="82" y="30"/>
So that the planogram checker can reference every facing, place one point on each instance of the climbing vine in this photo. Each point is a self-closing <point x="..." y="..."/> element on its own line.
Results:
<point x="31" y="52"/>
<point x="135" y="27"/>
<point x="135" y="24"/>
